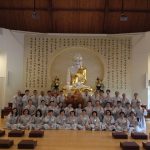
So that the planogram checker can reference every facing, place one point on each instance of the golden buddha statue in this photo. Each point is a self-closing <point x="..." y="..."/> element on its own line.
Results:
<point x="76" y="76"/>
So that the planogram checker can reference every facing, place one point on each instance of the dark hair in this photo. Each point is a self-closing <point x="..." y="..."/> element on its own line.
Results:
<point x="50" y="110"/>
<point x="38" y="110"/>
<point x="34" y="90"/>
<point x="27" y="110"/>
<point x="122" y="113"/>
<point x="108" y="111"/>
<point x="62" y="110"/>
<point x="107" y="90"/>
<point x="83" y="110"/>
<point x="48" y="91"/>
<point x="94" y="112"/>
<point x="29" y="99"/>
<point x="102" y="91"/>
<point x="132" y="112"/>
<point x="42" y="100"/>
<point x="26" y="91"/>
<point x="16" y="114"/>
<point x="73" y="112"/>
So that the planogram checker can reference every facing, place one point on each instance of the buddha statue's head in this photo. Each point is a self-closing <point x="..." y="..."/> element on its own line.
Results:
<point x="78" y="60"/>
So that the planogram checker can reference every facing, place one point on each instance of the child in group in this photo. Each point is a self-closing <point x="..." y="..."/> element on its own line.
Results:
<point x="108" y="121"/>
<point x="37" y="120"/>
<point x="122" y="123"/>
<point x="12" y="119"/>
<point x="94" y="122"/>
<point x="49" y="121"/>
<point x="25" y="120"/>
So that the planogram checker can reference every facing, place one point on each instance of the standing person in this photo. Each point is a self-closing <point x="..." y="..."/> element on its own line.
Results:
<point x="89" y="108"/>
<point x="99" y="109"/>
<point x="116" y="98"/>
<point x="12" y="119"/>
<point x="108" y="98"/>
<point x="43" y="108"/>
<point x="48" y="98"/>
<point x="50" y="121"/>
<point x="94" y="122"/>
<point x="34" y="98"/>
<point x="25" y="98"/>
<point x="86" y="97"/>
<point x="30" y="107"/>
<point x="41" y="97"/>
<point x="122" y="123"/>
<point x="83" y="120"/>
<point x="108" y="121"/>
<point x="135" y="100"/>
<point x="61" y="97"/>
<point x="17" y="102"/>
<point x="124" y="100"/>
<point x="25" y="120"/>
<point x="78" y="110"/>
<point x="37" y="120"/>
<point x="141" y="112"/>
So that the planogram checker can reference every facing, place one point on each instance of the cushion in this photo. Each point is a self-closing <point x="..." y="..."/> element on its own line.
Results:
<point x="129" y="146"/>
<point x="146" y="145"/>
<point x="6" y="143"/>
<point x="36" y="133"/>
<point x="2" y="133"/>
<point x="119" y="135"/>
<point x="27" y="144"/>
<point x="16" y="133"/>
<point x="139" y="135"/>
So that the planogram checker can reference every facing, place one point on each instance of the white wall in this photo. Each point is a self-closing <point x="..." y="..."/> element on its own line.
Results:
<point x="12" y="47"/>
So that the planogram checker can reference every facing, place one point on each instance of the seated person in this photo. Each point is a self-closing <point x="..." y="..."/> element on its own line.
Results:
<point x="108" y="121"/>
<point x="37" y="120"/>
<point x="12" y="119"/>
<point x="30" y="107"/>
<point x="25" y="120"/>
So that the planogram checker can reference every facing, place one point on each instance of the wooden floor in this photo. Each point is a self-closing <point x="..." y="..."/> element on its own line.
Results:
<point x="74" y="140"/>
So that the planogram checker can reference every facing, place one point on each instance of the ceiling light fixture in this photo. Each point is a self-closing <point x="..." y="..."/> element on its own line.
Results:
<point x="123" y="16"/>
<point x="35" y="14"/>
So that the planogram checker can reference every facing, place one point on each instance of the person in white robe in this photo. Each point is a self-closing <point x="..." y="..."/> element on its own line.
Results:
<point x="61" y="97"/>
<point x="25" y="120"/>
<point x="48" y="98"/>
<point x="141" y="112"/>
<point x="50" y="121"/>
<point x="17" y="102"/>
<point x="37" y="120"/>
<point x="25" y="98"/>
<point x="78" y="110"/>
<point x="99" y="109"/>
<point x="116" y="98"/>
<point x="133" y="122"/>
<point x="41" y="97"/>
<point x="71" y="122"/>
<point x="89" y="108"/>
<point x="122" y="123"/>
<point x="61" y="120"/>
<point x="83" y="121"/>
<point x="12" y="120"/>
<point x="94" y="123"/>
<point x="43" y="108"/>
<point x="108" y="121"/>
<point x="30" y="107"/>
<point x="68" y="109"/>
<point x="124" y="100"/>
<point x="135" y="100"/>
<point x="34" y="98"/>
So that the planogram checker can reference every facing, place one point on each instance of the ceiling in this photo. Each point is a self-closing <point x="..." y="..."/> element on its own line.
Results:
<point x="75" y="16"/>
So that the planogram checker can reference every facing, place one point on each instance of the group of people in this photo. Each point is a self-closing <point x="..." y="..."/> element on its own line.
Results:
<point x="99" y="112"/>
